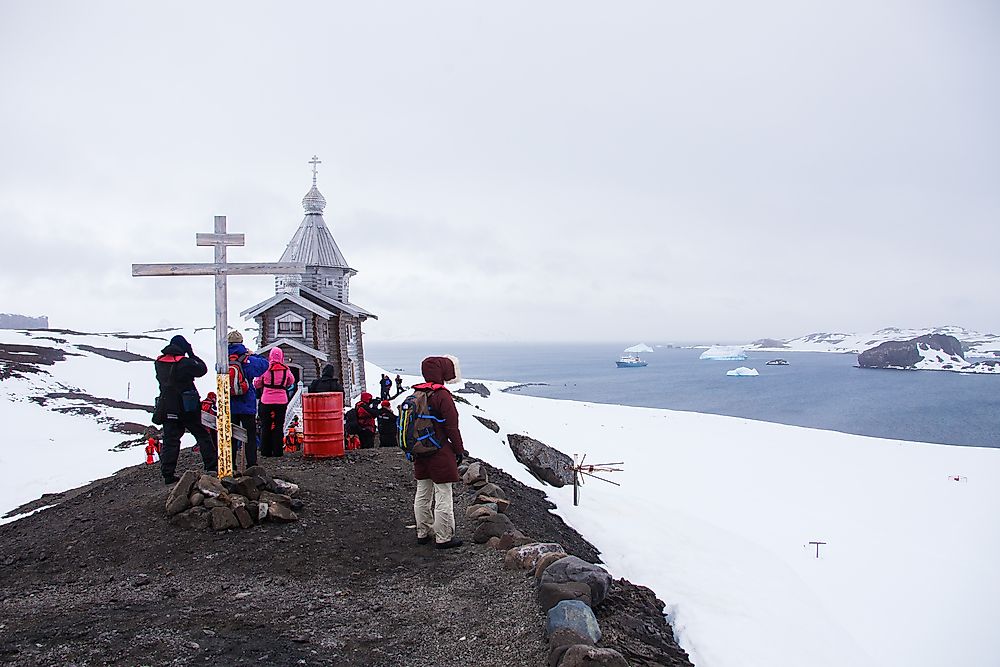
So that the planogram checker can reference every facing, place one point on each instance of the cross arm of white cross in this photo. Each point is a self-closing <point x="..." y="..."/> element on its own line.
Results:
<point x="227" y="269"/>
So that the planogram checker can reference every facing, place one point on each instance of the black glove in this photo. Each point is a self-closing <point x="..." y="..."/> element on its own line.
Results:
<point x="459" y="458"/>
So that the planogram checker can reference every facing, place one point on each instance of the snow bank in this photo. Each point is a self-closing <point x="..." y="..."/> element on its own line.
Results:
<point x="716" y="514"/>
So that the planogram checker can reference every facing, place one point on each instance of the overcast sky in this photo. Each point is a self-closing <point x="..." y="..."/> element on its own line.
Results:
<point x="560" y="171"/>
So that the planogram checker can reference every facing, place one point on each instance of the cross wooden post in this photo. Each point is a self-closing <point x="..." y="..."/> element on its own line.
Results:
<point x="220" y="239"/>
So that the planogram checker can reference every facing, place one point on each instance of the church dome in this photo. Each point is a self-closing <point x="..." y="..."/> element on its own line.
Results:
<point x="314" y="202"/>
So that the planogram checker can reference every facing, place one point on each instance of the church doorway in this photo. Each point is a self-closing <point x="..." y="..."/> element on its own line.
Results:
<point x="297" y="374"/>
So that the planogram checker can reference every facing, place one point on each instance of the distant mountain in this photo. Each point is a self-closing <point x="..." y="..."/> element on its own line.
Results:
<point x="974" y="344"/>
<point x="13" y="321"/>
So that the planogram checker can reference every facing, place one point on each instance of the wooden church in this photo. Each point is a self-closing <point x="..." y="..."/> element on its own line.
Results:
<point x="310" y="317"/>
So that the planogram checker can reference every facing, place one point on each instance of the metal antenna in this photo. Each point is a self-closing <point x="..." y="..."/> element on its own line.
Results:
<point x="582" y="469"/>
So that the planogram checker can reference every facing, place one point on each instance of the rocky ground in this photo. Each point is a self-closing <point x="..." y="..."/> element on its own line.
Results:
<point x="103" y="578"/>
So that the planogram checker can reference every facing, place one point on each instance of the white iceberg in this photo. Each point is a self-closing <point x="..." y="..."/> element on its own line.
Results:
<point x="725" y="353"/>
<point x="639" y="347"/>
<point x="743" y="371"/>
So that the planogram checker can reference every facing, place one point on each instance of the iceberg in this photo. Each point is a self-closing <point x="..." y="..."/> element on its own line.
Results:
<point x="639" y="347"/>
<point x="743" y="371"/>
<point x="725" y="353"/>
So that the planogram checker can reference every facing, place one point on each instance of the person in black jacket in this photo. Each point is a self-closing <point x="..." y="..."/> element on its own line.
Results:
<point x="326" y="382"/>
<point x="387" y="426"/>
<point x="179" y="406"/>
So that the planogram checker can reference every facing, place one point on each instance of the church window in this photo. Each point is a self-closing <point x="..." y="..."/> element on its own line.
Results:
<point x="289" y="325"/>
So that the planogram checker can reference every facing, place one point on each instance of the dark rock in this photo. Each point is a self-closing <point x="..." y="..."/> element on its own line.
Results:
<point x="236" y="500"/>
<point x="546" y="463"/>
<point x="195" y="518"/>
<point x="544" y="562"/>
<point x="508" y="540"/>
<point x="478" y="512"/>
<point x="905" y="353"/>
<point x="488" y="423"/>
<point x="582" y="655"/>
<point x="262" y="476"/>
<point x="561" y="641"/>
<point x="526" y="556"/>
<point x="245" y="486"/>
<point x="549" y="595"/>
<point x="223" y="519"/>
<point x="494" y="526"/>
<point x="212" y="503"/>
<point x="574" y="615"/>
<point x="197" y="498"/>
<point x="572" y="568"/>
<point x="475" y="473"/>
<point x="284" y="487"/>
<point x="210" y="486"/>
<point x="280" y="513"/>
<point x="491" y="491"/>
<point x="178" y="499"/>
<point x="280" y="498"/>
<point x="243" y="517"/>
<point x="474" y="388"/>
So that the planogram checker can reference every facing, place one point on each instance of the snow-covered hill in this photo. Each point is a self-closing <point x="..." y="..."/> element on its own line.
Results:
<point x="976" y="344"/>
<point x="715" y="514"/>
<point x="76" y="405"/>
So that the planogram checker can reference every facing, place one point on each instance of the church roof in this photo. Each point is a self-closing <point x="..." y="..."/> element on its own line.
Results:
<point x="311" y="300"/>
<point x="301" y="347"/>
<point x="324" y="300"/>
<point x="313" y="244"/>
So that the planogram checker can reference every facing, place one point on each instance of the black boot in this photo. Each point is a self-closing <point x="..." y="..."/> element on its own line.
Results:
<point x="450" y="544"/>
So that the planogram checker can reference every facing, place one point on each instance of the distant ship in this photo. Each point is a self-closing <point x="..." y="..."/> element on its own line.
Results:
<point x="630" y="361"/>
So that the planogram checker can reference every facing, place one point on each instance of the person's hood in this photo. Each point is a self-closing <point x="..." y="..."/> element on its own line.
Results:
<point x="172" y="349"/>
<point x="328" y="371"/>
<point x="441" y="370"/>
<point x="238" y="348"/>
<point x="276" y="355"/>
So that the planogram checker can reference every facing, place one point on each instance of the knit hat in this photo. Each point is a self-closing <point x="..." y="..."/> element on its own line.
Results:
<point x="181" y="342"/>
<point x="386" y="404"/>
<point x="235" y="337"/>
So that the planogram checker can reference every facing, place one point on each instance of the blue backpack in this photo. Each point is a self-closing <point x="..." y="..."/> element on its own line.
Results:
<point x="416" y="425"/>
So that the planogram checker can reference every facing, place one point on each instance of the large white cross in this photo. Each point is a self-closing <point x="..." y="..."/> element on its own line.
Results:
<point x="220" y="269"/>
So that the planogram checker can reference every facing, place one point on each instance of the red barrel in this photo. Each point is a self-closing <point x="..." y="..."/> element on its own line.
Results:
<point x="323" y="427"/>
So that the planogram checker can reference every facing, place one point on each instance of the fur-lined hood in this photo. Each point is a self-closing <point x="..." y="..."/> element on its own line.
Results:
<point x="441" y="370"/>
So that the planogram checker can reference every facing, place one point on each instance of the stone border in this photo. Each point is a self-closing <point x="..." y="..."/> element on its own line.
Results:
<point x="567" y="587"/>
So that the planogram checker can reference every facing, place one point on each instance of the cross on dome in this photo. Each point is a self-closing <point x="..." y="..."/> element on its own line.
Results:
<point x="315" y="161"/>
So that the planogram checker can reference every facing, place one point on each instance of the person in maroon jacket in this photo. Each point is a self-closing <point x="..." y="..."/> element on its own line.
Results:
<point x="433" y="505"/>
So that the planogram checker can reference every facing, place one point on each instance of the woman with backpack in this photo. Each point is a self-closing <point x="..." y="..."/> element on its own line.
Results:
<point x="273" y="402"/>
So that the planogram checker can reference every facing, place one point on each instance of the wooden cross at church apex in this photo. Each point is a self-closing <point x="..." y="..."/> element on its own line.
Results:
<point x="220" y="268"/>
<point x="315" y="161"/>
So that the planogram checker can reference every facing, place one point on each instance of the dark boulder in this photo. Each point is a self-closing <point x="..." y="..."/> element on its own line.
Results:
<point x="549" y="595"/>
<point x="546" y="463"/>
<point x="494" y="526"/>
<point x="572" y="568"/>
<point x="488" y="423"/>
<point x="177" y="499"/>
<point x="906" y="353"/>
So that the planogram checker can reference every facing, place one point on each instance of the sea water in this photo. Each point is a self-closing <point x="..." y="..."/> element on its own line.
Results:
<point x="817" y="390"/>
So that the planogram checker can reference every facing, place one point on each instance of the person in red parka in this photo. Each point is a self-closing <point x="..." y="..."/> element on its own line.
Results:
<point x="433" y="505"/>
<point x="366" y="420"/>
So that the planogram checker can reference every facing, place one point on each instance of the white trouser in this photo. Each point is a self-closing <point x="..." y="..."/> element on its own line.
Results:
<point x="434" y="510"/>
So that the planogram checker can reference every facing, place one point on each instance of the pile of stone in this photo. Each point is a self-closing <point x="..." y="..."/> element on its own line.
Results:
<point x="568" y="587"/>
<point x="202" y="502"/>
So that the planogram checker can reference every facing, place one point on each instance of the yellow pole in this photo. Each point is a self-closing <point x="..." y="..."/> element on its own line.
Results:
<point x="224" y="426"/>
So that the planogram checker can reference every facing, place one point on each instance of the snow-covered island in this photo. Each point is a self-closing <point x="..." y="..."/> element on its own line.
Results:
<point x="718" y="515"/>
<point x="941" y="348"/>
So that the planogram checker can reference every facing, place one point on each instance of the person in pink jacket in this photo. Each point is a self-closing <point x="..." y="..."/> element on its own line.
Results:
<point x="273" y="402"/>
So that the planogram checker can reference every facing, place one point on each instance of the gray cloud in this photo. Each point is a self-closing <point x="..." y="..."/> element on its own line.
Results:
<point x="557" y="172"/>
